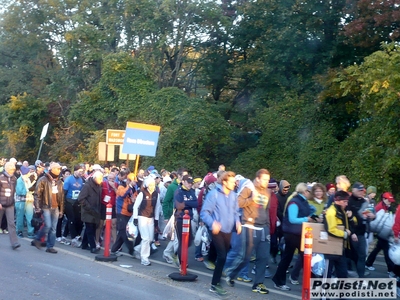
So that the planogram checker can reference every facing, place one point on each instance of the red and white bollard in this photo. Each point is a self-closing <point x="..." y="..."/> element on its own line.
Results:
<point x="185" y="241"/>
<point x="308" y="241"/>
<point x="107" y="237"/>
<point x="183" y="275"/>
<point x="107" y="234"/>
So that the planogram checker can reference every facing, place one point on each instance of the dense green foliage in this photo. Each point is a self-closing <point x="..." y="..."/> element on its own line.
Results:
<point x="309" y="90"/>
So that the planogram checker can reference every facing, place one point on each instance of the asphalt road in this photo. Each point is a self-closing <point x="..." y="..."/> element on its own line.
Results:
<point x="72" y="273"/>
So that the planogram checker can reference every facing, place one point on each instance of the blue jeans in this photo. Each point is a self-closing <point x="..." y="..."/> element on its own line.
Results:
<point x="22" y="209"/>
<point x="50" y="225"/>
<point x="236" y="245"/>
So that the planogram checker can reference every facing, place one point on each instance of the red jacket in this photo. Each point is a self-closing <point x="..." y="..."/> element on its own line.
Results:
<point x="273" y="212"/>
<point x="396" y="225"/>
<point x="380" y="206"/>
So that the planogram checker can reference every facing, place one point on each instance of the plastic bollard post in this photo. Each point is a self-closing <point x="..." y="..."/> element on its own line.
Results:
<point x="185" y="241"/>
<point x="107" y="234"/>
<point x="308" y="241"/>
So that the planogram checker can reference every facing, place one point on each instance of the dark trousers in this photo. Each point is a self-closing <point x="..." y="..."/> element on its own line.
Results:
<point x="89" y="237"/>
<point x="380" y="245"/>
<point x="292" y="242"/>
<point x="396" y="271"/>
<point x="275" y="238"/>
<point x="358" y="254"/>
<point x="339" y="262"/>
<point x="59" y="232"/>
<point x="212" y="252"/>
<point x="222" y="243"/>
<point x="122" y="238"/>
<point x="73" y="212"/>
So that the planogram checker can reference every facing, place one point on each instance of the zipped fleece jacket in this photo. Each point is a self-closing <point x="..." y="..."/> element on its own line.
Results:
<point x="7" y="189"/>
<point x="221" y="208"/>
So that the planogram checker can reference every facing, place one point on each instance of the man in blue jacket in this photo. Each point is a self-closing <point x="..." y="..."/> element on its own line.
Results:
<point x="220" y="213"/>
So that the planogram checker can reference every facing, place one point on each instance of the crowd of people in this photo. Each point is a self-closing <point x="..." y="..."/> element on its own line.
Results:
<point x="246" y="220"/>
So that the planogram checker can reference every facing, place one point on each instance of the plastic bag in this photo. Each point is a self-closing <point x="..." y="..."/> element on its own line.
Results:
<point x="197" y="237"/>
<point x="394" y="253"/>
<point x="194" y="223"/>
<point x="169" y="229"/>
<point x="131" y="230"/>
<point x="382" y="224"/>
<point x="318" y="264"/>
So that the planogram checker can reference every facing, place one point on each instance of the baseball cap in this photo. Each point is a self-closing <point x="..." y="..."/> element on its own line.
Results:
<point x="96" y="167"/>
<point x="238" y="177"/>
<point x="188" y="178"/>
<point x="359" y="186"/>
<point x="24" y="170"/>
<point x="388" y="196"/>
<point x="166" y="179"/>
<point x="55" y="165"/>
<point x="198" y="179"/>
<point x="39" y="163"/>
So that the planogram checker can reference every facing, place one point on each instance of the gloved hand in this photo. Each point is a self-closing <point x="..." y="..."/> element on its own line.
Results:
<point x="135" y="222"/>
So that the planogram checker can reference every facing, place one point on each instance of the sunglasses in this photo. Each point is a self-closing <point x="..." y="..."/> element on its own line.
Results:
<point x="286" y="187"/>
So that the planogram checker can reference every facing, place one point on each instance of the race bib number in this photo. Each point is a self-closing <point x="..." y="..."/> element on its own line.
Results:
<point x="75" y="194"/>
<point x="7" y="192"/>
<point x="55" y="189"/>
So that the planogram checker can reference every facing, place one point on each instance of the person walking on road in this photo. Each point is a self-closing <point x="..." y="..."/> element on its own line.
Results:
<point x="7" y="190"/>
<point x="49" y="198"/>
<point x="220" y="212"/>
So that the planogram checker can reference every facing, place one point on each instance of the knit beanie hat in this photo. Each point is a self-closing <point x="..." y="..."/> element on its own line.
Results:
<point x="371" y="189"/>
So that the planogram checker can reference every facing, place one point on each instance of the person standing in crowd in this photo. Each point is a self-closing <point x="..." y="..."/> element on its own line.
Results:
<point x="21" y="209"/>
<point x="330" y="189"/>
<point x="318" y="199"/>
<point x="342" y="184"/>
<point x="184" y="199"/>
<point x="220" y="213"/>
<point x="256" y="219"/>
<point x="49" y="198"/>
<point x="337" y="216"/>
<point x="126" y="194"/>
<point x="359" y="207"/>
<point x="146" y="211"/>
<point x="282" y="195"/>
<point x="297" y="211"/>
<point x="72" y="187"/>
<point x="108" y="195"/>
<point x="168" y="207"/>
<point x="90" y="200"/>
<point x="387" y="204"/>
<point x="7" y="201"/>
